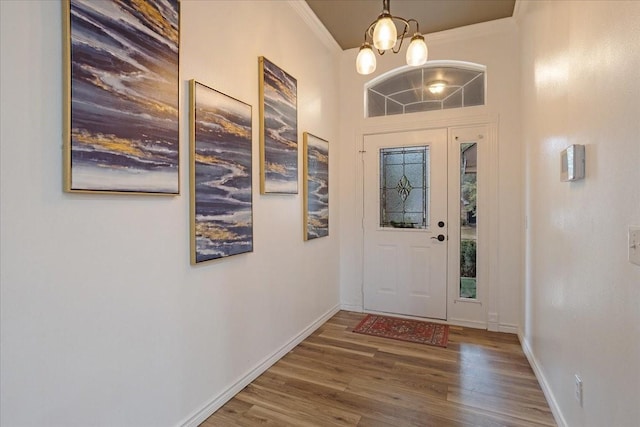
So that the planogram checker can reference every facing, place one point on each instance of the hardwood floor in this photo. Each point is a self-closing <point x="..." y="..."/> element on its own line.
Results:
<point x="338" y="378"/>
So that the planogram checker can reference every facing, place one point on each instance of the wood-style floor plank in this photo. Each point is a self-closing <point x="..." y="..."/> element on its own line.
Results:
<point x="339" y="378"/>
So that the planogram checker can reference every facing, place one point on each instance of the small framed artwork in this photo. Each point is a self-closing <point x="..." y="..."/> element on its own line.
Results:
<point x="278" y="130"/>
<point x="220" y="186"/>
<point x="121" y="96"/>
<point x="315" y="187"/>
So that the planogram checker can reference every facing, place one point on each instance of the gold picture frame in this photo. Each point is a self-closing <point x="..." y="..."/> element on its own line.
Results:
<point x="315" y="187"/>
<point x="121" y="97"/>
<point x="221" y="189"/>
<point x="278" y="130"/>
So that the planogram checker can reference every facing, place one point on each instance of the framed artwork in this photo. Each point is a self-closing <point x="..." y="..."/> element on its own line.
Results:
<point x="220" y="191"/>
<point x="278" y="130"/>
<point x="316" y="187"/>
<point x="121" y="96"/>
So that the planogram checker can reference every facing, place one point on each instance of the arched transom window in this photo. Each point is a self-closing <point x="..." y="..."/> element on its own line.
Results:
<point x="436" y="86"/>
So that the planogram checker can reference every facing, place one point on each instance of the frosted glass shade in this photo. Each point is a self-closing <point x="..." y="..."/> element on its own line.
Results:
<point x="366" y="60"/>
<point x="417" y="51"/>
<point x="385" y="34"/>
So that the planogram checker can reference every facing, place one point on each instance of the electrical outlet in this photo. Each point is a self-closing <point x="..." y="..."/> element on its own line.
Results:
<point x="578" y="389"/>
<point x="634" y="245"/>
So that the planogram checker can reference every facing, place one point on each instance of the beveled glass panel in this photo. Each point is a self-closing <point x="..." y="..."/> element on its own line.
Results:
<point x="395" y="217"/>
<point x="414" y="202"/>
<point x="413" y="218"/>
<point x="416" y="157"/>
<point x="393" y="201"/>
<point x="392" y="175"/>
<point x="415" y="174"/>
<point x="394" y="157"/>
<point x="403" y="187"/>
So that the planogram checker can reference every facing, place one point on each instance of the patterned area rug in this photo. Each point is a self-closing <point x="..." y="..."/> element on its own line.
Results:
<point x="404" y="330"/>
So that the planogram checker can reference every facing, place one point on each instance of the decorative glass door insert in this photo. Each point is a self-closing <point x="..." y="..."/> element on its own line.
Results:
<point x="404" y="187"/>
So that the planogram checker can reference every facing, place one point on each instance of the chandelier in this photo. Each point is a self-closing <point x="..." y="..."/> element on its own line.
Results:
<point x="384" y="35"/>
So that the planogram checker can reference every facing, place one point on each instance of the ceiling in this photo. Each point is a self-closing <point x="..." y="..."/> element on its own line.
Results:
<point x="347" y="20"/>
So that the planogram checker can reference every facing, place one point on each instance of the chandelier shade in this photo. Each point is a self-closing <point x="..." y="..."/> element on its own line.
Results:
<point x="366" y="60"/>
<point x="417" y="51"/>
<point x="383" y="34"/>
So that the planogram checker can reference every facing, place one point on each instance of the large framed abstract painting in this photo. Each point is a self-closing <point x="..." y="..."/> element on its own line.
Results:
<point x="315" y="187"/>
<point x="121" y="96"/>
<point x="220" y="189"/>
<point x="278" y="130"/>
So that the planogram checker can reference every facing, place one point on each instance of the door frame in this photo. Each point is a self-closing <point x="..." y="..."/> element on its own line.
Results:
<point x="477" y="314"/>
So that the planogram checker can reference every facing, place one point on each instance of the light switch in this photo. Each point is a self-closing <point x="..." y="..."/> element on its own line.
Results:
<point x="634" y="245"/>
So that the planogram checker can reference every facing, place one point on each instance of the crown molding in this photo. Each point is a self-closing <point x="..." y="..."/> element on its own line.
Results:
<point x="304" y="11"/>
<point x="520" y="9"/>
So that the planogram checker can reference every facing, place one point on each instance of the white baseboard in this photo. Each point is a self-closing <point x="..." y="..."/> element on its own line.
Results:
<point x="542" y="380"/>
<point x="508" y="328"/>
<point x="352" y="307"/>
<point x="216" y="402"/>
<point x="492" y="322"/>
<point x="468" y="323"/>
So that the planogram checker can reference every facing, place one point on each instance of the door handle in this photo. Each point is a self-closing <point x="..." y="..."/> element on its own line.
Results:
<point x="440" y="238"/>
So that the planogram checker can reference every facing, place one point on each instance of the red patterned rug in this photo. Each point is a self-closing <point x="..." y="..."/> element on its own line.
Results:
<point x="404" y="330"/>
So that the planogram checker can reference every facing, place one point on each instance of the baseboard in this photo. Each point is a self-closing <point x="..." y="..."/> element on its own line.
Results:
<point x="508" y="328"/>
<point x="492" y="322"/>
<point x="468" y="323"/>
<point x="216" y="402"/>
<point x="542" y="380"/>
<point x="352" y="307"/>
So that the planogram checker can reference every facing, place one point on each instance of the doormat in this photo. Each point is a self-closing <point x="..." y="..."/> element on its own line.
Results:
<point x="404" y="330"/>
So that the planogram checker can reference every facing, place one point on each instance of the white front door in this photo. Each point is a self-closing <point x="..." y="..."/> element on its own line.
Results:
<point x="405" y="223"/>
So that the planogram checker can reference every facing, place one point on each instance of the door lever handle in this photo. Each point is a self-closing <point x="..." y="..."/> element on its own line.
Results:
<point x="440" y="238"/>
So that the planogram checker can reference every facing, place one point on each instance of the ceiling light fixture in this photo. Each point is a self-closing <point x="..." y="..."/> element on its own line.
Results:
<point x="384" y="35"/>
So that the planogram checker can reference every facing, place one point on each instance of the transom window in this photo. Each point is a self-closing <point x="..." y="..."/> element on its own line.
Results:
<point x="433" y="87"/>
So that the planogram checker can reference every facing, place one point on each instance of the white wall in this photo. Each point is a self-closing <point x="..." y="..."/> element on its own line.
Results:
<point x="104" y="321"/>
<point x="495" y="45"/>
<point x="580" y="68"/>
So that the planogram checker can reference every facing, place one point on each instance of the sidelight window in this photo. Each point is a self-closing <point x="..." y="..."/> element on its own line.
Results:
<point x="468" y="219"/>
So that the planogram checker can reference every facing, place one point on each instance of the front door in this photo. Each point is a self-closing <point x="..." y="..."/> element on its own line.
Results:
<point x="405" y="229"/>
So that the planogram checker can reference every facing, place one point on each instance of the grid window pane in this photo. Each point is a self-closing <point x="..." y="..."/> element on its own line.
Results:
<point x="414" y="91"/>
